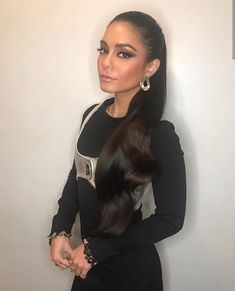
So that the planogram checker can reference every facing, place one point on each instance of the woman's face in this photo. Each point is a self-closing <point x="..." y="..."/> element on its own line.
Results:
<point x="122" y="60"/>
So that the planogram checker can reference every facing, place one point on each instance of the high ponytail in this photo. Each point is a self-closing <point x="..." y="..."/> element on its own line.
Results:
<point x="125" y="161"/>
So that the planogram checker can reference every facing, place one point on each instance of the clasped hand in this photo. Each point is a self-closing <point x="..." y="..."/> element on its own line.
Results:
<point x="64" y="257"/>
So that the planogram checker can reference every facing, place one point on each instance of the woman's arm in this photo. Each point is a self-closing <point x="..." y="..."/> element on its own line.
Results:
<point x="63" y="222"/>
<point x="169" y="188"/>
<point x="68" y="205"/>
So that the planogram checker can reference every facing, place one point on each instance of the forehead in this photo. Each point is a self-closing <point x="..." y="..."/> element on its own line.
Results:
<point x="123" y="32"/>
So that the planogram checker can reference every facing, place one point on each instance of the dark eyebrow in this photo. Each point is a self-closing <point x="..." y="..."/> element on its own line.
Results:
<point x="119" y="45"/>
<point x="103" y="42"/>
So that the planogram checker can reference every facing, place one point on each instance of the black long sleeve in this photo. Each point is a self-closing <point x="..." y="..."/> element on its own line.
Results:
<point x="68" y="205"/>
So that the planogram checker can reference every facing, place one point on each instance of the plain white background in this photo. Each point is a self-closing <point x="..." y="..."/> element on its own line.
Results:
<point x="48" y="77"/>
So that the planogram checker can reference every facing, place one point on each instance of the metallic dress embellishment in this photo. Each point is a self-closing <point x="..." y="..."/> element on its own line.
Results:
<point x="88" y="170"/>
<point x="85" y="167"/>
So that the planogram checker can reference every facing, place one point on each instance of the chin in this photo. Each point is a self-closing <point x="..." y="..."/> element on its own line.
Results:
<point x="106" y="89"/>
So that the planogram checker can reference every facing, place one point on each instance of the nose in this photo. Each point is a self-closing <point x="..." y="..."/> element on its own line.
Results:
<point x="107" y="61"/>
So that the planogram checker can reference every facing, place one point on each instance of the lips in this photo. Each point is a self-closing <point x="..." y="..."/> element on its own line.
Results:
<point x="107" y="78"/>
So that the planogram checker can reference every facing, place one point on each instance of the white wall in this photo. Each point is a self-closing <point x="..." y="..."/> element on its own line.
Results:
<point x="48" y="77"/>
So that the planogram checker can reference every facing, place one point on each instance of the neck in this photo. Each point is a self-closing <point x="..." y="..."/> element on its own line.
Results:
<point x="121" y="103"/>
<point x="120" y="106"/>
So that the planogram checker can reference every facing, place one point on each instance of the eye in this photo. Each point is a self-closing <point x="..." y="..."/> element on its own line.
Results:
<point x="125" y="55"/>
<point x="101" y="50"/>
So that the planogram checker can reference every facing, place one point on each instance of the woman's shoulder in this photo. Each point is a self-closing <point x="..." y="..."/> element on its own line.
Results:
<point x="101" y="104"/>
<point x="164" y="135"/>
<point x="96" y="107"/>
<point x="88" y="110"/>
<point x="164" y="127"/>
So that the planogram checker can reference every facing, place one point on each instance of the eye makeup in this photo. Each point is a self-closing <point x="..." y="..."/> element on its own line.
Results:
<point x="125" y="55"/>
<point x="101" y="50"/>
<point x="121" y="47"/>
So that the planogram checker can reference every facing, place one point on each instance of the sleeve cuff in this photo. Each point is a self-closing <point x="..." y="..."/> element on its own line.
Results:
<point x="103" y="248"/>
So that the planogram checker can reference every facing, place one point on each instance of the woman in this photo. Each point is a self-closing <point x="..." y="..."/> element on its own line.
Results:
<point x="123" y="146"/>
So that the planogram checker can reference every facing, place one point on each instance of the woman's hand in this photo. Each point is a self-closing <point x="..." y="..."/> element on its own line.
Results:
<point x="61" y="251"/>
<point x="79" y="264"/>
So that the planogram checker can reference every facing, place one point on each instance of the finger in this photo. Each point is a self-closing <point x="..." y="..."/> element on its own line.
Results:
<point x="70" y="260"/>
<point x="84" y="272"/>
<point x="63" y="263"/>
<point x="66" y="262"/>
<point x="61" y="267"/>
<point x="73" y="268"/>
<point x="69" y="250"/>
<point x="77" y="273"/>
<point x="76" y="270"/>
<point x="83" y="275"/>
<point x="60" y="260"/>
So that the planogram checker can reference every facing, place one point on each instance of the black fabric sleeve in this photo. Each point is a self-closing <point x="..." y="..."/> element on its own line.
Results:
<point x="68" y="203"/>
<point x="169" y="188"/>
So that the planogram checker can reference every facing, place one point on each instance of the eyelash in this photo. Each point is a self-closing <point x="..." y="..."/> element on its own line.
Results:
<point x="101" y="50"/>
<point x="125" y="55"/>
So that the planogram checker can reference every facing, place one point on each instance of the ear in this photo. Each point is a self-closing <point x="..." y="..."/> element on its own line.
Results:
<point x="152" y="67"/>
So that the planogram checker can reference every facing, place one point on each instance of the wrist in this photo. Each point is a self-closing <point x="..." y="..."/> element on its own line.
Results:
<point x="88" y="253"/>
<point x="57" y="234"/>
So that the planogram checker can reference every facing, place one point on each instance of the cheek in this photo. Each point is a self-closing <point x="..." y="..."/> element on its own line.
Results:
<point x="133" y="72"/>
<point x="98" y="63"/>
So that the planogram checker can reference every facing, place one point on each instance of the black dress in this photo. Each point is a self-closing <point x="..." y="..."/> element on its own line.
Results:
<point x="130" y="261"/>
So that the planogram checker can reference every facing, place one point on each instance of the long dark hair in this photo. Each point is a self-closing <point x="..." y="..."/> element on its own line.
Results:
<point x="125" y="161"/>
